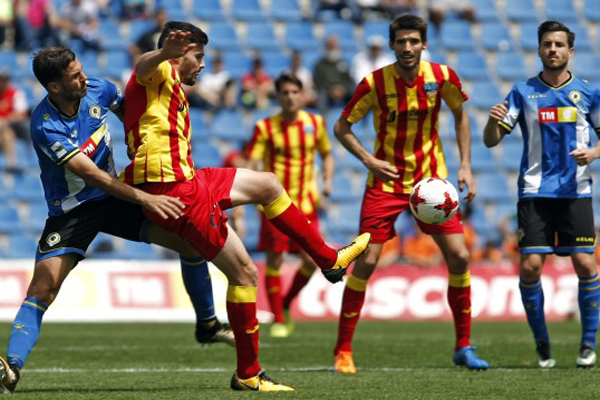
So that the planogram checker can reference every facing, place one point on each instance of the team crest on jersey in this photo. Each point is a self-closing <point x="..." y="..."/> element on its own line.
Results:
<point x="575" y="96"/>
<point x="431" y="89"/>
<point x="95" y="111"/>
<point x="53" y="239"/>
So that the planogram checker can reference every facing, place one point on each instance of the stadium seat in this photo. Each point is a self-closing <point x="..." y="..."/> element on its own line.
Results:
<point x="511" y="154"/>
<point x="9" y="60"/>
<point x="247" y="10"/>
<point x="275" y="63"/>
<point x="174" y="9"/>
<point x="511" y="67"/>
<point x="27" y="188"/>
<point x="260" y="36"/>
<point x="344" y="30"/>
<point x="228" y="125"/>
<point x="89" y="61"/>
<point x="236" y="63"/>
<point x="495" y="37"/>
<point x="36" y="218"/>
<point x="561" y="10"/>
<point x="207" y="156"/>
<point x="456" y="35"/>
<point x="591" y="11"/>
<point x="285" y="10"/>
<point x="209" y="10"/>
<point x="9" y="219"/>
<point x="472" y="66"/>
<point x="587" y="65"/>
<point x="582" y="39"/>
<point x="103" y="246"/>
<point x="485" y="10"/>
<point x="437" y="57"/>
<point x="111" y="36"/>
<point x="484" y="95"/>
<point x="224" y="37"/>
<point x="21" y="246"/>
<point x="116" y="63"/>
<point x="197" y="121"/>
<point x="528" y="36"/>
<point x="138" y="27"/>
<point x="376" y="27"/>
<point x="521" y="11"/>
<point x="343" y="191"/>
<point x="138" y="251"/>
<point x="347" y="219"/>
<point x="482" y="159"/>
<point x="492" y="187"/>
<point x="300" y="36"/>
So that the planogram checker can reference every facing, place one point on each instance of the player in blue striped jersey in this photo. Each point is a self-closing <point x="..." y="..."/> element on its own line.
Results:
<point x="557" y="113"/>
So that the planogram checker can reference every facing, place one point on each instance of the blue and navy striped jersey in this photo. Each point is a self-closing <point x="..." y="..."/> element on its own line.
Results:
<point x="57" y="138"/>
<point x="554" y="122"/>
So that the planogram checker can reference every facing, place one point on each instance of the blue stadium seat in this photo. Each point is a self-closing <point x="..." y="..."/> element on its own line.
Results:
<point x="482" y="159"/>
<point x="103" y="246"/>
<point x="110" y="35"/>
<point x="139" y="251"/>
<point x="9" y="60"/>
<point x="36" y="218"/>
<point x="437" y="57"/>
<point x="528" y="36"/>
<point x="587" y="65"/>
<point x="591" y="11"/>
<point x="561" y="10"/>
<point x="138" y="27"/>
<point x="300" y="36"/>
<point x="207" y="156"/>
<point x="495" y="37"/>
<point x="209" y="10"/>
<point x="27" y="188"/>
<point x="223" y="37"/>
<point x="236" y="63"/>
<point x="9" y="219"/>
<point x="21" y="246"/>
<point x="285" y="10"/>
<point x="174" y="9"/>
<point x="485" y="10"/>
<point x="343" y="191"/>
<point x="472" y="66"/>
<point x="116" y="63"/>
<point x="376" y="27"/>
<point x="247" y="10"/>
<point x="89" y="61"/>
<point x="456" y="35"/>
<point x="260" y="36"/>
<point x="348" y="218"/>
<point x="492" y="187"/>
<point x="228" y="125"/>
<point x="511" y="154"/>
<point x="511" y="67"/>
<point x="484" y="95"/>
<point x="275" y="63"/>
<point x="344" y="30"/>
<point x="582" y="39"/>
<point x="197" y="121"/>
<point x="521" y="11"/>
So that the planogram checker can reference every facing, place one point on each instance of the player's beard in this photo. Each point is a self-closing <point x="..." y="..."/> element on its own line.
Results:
<point x="415" y="63"/>
<point x="555" y="67"/>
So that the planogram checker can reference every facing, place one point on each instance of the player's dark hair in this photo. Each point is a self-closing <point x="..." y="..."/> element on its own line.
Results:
<point x="555" y="26"/>
<point x="197" y="36"/>
<point x="286" y="77"/>
<point x="50" y="64"/>
<point x="408" y="22"/>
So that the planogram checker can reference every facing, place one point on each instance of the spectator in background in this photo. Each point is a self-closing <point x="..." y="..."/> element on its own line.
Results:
<point x="80" y="19"/>
<point x="439" y="8"/>
<point x="147" y="42"/>
<point x="13" y="118"/>
<point x="216" y="89"/>
<point x="395" y="8"/>
<point x="373" y="58"/>
<point x="305" y="76"/>
<point x="131" y="9"/>
<point x="257" y="86"/>
<point x="36" y="24"/>
<point x="333" y="82"/>
<point x="7" y="16"/>
<point x="344" y="9"/>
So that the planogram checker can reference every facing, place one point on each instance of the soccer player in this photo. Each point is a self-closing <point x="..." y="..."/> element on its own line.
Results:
<point x="555" y="111"/>
<point x="405" y="98"/>
<point x="286" y="144"/>
<point x="158" y="136"/>
<point x="72" y="141"/>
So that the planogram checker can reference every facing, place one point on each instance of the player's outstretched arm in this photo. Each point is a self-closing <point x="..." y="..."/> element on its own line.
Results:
<point x="165" y="206"/>
<point x="176" y="45"/>
<point x="328" y="170"/>
<point x="381" y="169"/>
<point x="463" y="139"/>
<point x="493" y="132"/>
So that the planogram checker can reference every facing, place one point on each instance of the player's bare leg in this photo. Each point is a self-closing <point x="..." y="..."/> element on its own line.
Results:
<point x="456" y="255"/>
<point x="352" y="303"/>
<point x="589" y="301"/>
<point x="233" y="260"/>
<point x="264" y="188"/>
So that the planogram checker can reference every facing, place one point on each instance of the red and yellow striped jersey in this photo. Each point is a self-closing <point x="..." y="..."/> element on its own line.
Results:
<point x="157" y="126"/>
<point x="288" y="150"/>
<point x="406" y="120"/>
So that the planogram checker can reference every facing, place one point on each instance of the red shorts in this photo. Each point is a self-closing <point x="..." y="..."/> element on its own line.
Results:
<point x="272" y="239"/>
<point x="381" y="209"/>
<point x="203" y="223"/>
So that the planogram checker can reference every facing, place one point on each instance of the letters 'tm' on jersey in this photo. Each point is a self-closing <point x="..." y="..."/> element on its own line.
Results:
<point x="405" y="118"/>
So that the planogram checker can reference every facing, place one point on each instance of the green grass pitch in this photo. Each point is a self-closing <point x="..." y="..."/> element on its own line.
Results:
<point x="409" y="360"/>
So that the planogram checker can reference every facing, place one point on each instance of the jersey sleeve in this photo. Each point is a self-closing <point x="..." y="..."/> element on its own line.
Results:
<point x="361" y="102"/>
<point x="452" y="91"/>
<point x="595" y="111"/>
<point x="323" y="144"/>
<point x="115" y="97"/>
<point x="258" y="144"/>
<point x="159" y="75"/>
<point x="514" y="110"/>
<point x="55" y="144"/>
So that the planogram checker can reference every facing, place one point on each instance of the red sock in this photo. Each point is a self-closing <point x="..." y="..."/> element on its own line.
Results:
<point x="241" y="309"/>
<point x="290" y="220"/>
<point x="300" y="280"/>
<point x="459" y="298"/>
<point x="352" y="302"/>
<point x="273" y="283"/>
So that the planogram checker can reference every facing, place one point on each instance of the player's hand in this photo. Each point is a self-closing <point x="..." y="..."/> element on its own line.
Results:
<point x="465" y="177"/>
<point x="499" y="111"/>
<point x="165" y="206"/>
<point x="177" y="44"/>
<point x="585" y="156"/>
<point x="327" y="187"/>
<point x="383" y="170"/>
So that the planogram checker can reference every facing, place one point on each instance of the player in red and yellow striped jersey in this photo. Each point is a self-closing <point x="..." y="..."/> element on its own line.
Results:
<point x="405" y="98"/>
<point x="286" y="145"/>
<point x="159" y="144"/>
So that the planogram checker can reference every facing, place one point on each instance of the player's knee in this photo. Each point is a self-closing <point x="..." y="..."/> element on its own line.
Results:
<point x="530" y="271"/>
<point x="246" y="274"/>
<point x="44" y="290"/>
<point x="365" y="266"/>
<point x="271" y="188"/>
<point x="458" y="261"/>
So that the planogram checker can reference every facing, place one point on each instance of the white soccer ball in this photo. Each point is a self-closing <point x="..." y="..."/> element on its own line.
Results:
<point x="434" y="201"/>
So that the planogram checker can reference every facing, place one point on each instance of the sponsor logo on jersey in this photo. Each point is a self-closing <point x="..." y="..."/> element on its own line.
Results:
<point x="95" y="111"/>
<point x="557" y="115"/>
<point x="58" y="149"/>
<point x="91" y="145"/>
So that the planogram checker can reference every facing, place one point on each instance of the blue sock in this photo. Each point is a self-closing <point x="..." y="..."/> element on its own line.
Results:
<point x="589" y="299"/>
<point x="25" y="330"/>
<point x="199" y="287"/>
<point x="532" y="296"/>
